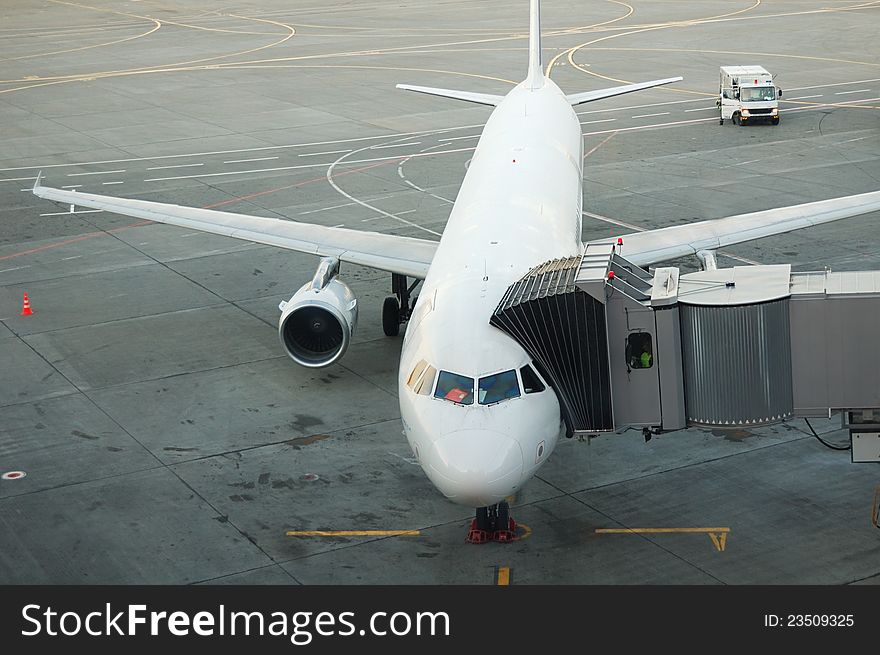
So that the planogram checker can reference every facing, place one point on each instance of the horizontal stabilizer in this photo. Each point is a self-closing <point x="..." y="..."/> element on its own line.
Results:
<point x="681" y="240"/>
<point x="467" y="96"/>
<point x="590" y="96"/>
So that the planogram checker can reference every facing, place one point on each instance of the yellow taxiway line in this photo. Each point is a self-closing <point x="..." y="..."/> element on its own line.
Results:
<point x="503" y="577"/>
<point x="717" y="535"/>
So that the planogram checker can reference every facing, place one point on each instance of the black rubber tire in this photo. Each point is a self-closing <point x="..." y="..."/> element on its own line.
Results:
<point x="483" y="520"/>
<point x="735" y="119"/>
<point x="503" y="519"/>
<point x="775" y="121"/>
<point x="391" y="316"/>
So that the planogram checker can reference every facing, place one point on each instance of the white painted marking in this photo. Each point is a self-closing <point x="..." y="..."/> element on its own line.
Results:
<point x="861" y="138"/>
<point x="72" y="186"/>
<point x="396" y="145"/>
<point x="241" y="161"/>
<point x="839" y="103"/>
<point x="64" y="259"/>
<point x="17" y="179"/>
<point x="95" y="173"/>
<point x="324" y="209"/>
<point x="191" y="234"/>
<point x="653" y="104"/>
<point x="459" y="138"/>
<point x="68" y="213"/>
<point x="6" y="270"/>
<point x="604" y="120"/>
<point x="823" y="86"/>
<point x="376" y="218"/>
<point x="843" y="93"/>
<point x="160" y="168"/>
<point x="662" y="125"/>
<point x="701" y="109"/>
<point x="378" y="136"/>
<point x="230" y="152"/>
<point x="106" y="183"/>
<point x="254" y="170"/>
<point x="340" y="225"/>
<point x="329" y="175"/>
<point x="804" y="97"/>
<point x="743" y="163"/>
<point x="290" y="168"/>
<point x="326" y="152"/>
<point x="662" y="113"/>
<point x="13" y="475"/>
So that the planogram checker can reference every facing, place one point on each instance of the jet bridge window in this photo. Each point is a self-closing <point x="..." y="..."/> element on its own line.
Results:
<point x="498" y="387"/>
<point x="530" y="380"/>
<point x="457" y="388"/>
<point x="639" y="350"/>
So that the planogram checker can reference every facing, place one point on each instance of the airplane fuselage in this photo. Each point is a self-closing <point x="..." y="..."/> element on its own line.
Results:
<point x="518" y="206"/>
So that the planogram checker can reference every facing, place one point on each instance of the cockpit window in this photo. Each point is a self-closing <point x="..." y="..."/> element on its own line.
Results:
<point x="498" y="387"/>
<point x="457" y="388"/>
<point x="426" y="382"/>
<point x="416" y="372"/>
<point x="531" y="382"/>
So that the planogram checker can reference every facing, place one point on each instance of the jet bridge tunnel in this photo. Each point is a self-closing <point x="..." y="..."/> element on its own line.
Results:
<point x="743" y="346"/>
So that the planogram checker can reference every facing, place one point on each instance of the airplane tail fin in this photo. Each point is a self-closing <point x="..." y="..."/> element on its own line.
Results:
<point x="535" y="78"/>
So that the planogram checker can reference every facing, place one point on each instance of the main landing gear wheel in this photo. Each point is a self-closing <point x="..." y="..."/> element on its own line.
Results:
<point x="398" y="308"/>
<point x="492" y="524"/>
<point x="391" y="316"/>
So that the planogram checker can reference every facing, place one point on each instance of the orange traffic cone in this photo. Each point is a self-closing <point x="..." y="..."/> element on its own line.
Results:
<point x="26" y="309"/>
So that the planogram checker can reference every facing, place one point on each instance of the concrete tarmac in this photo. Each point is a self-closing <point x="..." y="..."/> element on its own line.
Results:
<point x="166" y="436"/>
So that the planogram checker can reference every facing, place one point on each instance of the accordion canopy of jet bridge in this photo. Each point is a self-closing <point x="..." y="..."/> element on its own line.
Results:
<point x="748" y="345"/>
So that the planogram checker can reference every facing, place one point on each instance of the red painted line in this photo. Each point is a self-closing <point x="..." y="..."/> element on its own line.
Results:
<point x="83" y="237"/>
<point x="223" y="203"/>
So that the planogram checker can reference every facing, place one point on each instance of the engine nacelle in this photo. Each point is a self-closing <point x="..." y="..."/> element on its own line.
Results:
<point x="317" y="323"/>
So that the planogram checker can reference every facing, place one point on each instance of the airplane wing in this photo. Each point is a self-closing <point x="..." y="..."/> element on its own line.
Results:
<point x="387" y="252"/>
<point x="643" y="248"/>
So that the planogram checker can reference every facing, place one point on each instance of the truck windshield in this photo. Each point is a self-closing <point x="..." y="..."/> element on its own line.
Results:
<point x="757" y="93"/>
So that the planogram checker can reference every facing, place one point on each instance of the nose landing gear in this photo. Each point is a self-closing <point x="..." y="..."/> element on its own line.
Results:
<point x="492" y="524"/>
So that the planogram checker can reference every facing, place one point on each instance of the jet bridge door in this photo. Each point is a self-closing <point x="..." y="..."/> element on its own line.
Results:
<point x="633" y="354"/>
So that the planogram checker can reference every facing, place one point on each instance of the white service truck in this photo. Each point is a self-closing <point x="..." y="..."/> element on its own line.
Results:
<point x="747" y="94"/>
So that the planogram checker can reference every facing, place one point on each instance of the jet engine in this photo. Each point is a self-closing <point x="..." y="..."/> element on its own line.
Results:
<point x="317" y="323"/>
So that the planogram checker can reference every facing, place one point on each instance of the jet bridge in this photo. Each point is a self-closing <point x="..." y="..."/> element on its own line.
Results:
<point x="743" y="346"/>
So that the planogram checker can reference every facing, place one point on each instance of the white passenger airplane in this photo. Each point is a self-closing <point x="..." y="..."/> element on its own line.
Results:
<point x="478" y="416"/>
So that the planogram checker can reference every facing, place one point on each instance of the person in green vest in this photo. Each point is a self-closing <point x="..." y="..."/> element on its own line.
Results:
<point x="645" y="358"/>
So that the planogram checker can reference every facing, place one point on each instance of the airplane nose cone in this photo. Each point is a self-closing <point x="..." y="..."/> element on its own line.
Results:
<point x="476" y="467"/>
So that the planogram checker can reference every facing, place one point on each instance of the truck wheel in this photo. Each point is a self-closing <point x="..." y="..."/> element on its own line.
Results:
<point x="776" y="121"/>
<point x="735" y="119"/>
